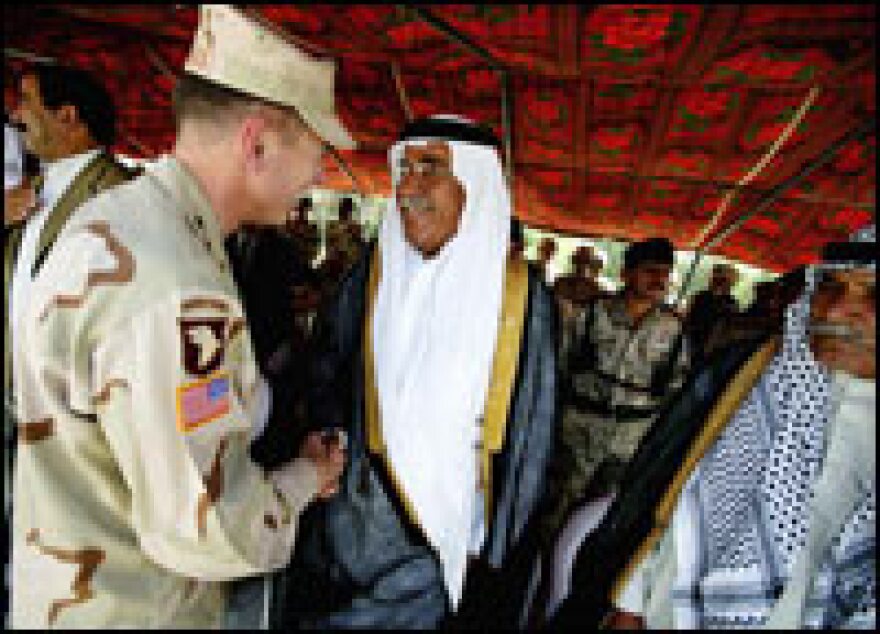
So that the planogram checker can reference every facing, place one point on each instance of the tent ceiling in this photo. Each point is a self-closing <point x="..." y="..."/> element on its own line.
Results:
<point x="627" y="120"/>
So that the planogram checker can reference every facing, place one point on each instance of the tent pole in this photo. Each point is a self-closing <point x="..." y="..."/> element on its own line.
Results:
<point x="765" y="160"/>
<point x="451" y="32"/>
<point x="345" y="168"/>
<point x="401" y="91"/>
<point x="867" y="127"/>
<point x="507" y="117"/>
<point x="158" y="62"/>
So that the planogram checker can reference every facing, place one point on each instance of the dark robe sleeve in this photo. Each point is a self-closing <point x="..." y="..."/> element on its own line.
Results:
<point x="337" y="339"/>
<point x="359" y="562"/>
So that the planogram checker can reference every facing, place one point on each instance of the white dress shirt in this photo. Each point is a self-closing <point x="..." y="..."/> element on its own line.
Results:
<point x="59" y="175"/>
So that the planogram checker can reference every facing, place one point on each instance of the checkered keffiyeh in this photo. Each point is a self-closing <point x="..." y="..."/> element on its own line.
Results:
<point x="747" y="504"/>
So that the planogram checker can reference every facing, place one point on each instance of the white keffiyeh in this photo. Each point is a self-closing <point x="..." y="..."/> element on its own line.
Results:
<point x="434" y="334"/>
<point x="745" y="516"/>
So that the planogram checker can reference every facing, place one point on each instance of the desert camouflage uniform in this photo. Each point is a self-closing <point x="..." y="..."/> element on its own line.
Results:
<point x="616" y="374"/>
<point x="136" y="498"/>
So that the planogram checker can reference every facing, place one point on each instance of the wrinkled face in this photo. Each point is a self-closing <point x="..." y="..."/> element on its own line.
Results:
<point x="429" y="197"/>
<point x="648" y="281"/>
<point x="284" y="161"/>
<point x="43" y="126"/>
<point x="843" y="322"/>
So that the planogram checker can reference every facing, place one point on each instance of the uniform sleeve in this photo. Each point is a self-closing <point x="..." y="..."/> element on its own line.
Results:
<point x="178" y="399"/>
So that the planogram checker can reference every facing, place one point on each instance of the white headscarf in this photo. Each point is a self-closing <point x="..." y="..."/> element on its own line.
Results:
<point x="434" y="335"/>
<point x="746" y="512"/>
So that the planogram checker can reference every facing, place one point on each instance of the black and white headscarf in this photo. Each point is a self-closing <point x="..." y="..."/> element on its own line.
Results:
<point x="747" y="506"/>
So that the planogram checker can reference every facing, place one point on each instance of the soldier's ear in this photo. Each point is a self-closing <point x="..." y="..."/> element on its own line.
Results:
<point x="68" y="115"/>
<point x="251" y="139"/>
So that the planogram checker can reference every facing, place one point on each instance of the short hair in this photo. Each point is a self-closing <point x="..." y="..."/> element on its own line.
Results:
<point x="516" y="230"/>
<point x="196" y="98"/>
<point x="346" y="206"/>
<point x="64" y="85"/>
<point x="652" y="250"/>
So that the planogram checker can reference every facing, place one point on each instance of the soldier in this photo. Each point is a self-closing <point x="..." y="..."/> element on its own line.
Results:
<point x="137" y="391"/>
<point x="625" y="358"/>
<point x="712" y="313"/>
<point x="546" y="251"/>
<point x="344" y="240"/>
<point x="582" y="285"/>
<point x="579" y="288"/>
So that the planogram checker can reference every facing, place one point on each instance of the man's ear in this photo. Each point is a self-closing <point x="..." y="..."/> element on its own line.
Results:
<point x="251" y="140"/>
<point x="68" y="114"/>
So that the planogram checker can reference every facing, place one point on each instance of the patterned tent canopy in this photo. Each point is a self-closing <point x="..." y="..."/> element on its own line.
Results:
<point x="622" y="120"/>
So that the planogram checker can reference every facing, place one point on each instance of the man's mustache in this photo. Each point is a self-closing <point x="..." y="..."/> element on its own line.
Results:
<point x="417" y="204"/>
<point x="842" y="331"/>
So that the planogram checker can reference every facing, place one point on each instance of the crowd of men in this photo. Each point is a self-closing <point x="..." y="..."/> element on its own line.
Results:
<point x="209" y="426"/>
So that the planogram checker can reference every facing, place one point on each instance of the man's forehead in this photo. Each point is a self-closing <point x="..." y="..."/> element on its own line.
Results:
<point x="432" y="149"/>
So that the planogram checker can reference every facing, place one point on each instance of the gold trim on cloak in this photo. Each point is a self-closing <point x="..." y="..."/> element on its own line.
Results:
<point x="498" y="401"/>
<point x="717" y="420"/>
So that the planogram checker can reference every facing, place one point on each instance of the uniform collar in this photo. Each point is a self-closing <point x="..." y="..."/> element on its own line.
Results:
<point x="180" y="183"/>
<point x="58" y="175"/>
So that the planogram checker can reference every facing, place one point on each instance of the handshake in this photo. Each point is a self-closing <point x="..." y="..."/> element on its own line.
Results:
<point x="326" y="451"/>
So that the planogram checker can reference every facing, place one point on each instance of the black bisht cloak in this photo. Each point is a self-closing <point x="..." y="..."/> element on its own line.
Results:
<point x="359" y="562"/>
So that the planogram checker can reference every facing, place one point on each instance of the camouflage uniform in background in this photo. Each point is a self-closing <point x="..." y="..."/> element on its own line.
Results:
<point x="616" y="375"/>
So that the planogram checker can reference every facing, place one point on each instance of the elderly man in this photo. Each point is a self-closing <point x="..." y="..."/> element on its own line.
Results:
<point x="754" y="505"/>
<point x="443" y="354"/>
<point x="137" y="390"/>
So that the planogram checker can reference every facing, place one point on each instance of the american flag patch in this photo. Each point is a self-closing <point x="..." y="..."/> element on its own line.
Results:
<point x="202" y="401"/>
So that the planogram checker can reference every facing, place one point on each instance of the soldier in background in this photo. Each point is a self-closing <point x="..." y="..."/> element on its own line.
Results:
<point x="626" y="356"/>
<point x="344" y="241"/>
<point x="581" y="286"/>
<point x="546" y="251"/>
<point x="712" y="313"/>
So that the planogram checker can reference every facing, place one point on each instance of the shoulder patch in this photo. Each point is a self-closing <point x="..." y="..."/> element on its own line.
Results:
<point x="202" y="401"/>
<point x="202" y="344"/>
